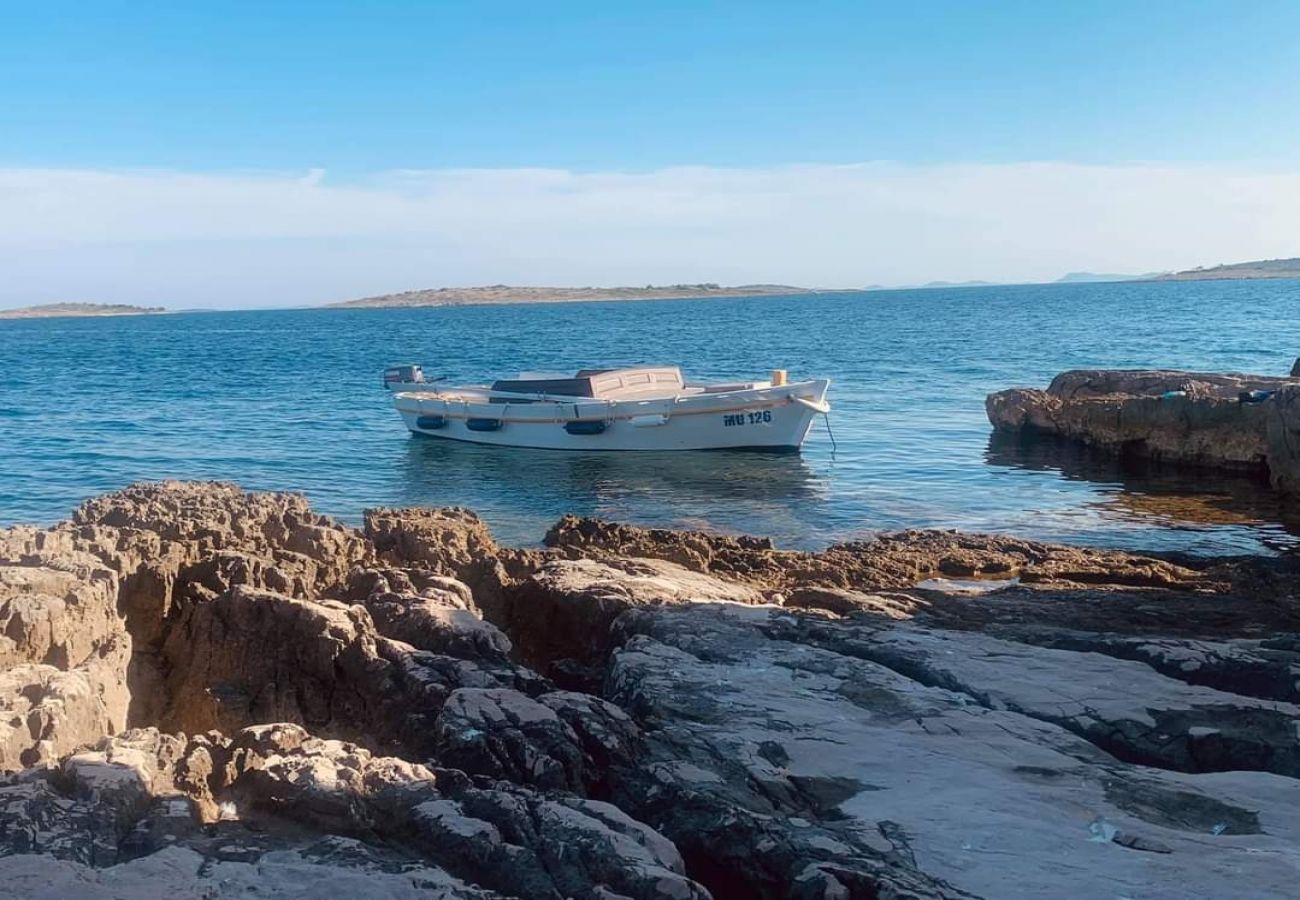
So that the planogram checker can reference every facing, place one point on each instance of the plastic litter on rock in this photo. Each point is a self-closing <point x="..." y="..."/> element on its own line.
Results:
<point x="1101" y="831"/>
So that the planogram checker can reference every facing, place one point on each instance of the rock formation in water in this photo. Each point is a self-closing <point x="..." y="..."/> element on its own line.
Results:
<point x="1235" y="423"/>
<point x="210" y="693"/>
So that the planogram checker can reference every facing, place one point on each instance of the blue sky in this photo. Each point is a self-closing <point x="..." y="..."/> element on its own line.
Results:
<point x="357" y="88"/>
<point x="282" y="153"/>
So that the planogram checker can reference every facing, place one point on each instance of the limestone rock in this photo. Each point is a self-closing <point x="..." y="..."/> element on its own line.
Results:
<point x="558" y="740"/>
<point x="565" y="609"/>
<point x="450" y="541"/>
<point x="46" y="712"/>
<point x="54" y="616"/>
<point x="361" y="714"/>
<point x="781" y="732"/>
<point x="529" y="846"/>
<point x="845" y="602"/>
<point x="1182" y="417"/>
<point x="429" y="612"/>
<point x="254" y="656"/>
<point x="508" y="840"/>
<point x="335" y="869"/>
<point x="504" y="734"/>
<point x="1122" y="706"/>
<point x="888" y="561"/>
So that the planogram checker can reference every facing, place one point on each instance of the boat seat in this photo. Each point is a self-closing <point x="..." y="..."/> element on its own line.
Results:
<point x="643" y="382"/>
<point x="638" y="383"/>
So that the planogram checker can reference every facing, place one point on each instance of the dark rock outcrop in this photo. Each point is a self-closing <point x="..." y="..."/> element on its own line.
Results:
<point x="1233" y="423"/>
<point x="1282" y="438"/>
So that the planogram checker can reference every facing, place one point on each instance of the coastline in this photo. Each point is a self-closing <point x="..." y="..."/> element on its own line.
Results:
<point x="1210" y="275"/>
<point x="502" y="296"/>
<point x="80" y="311"/>
<point x="204" y="678"/>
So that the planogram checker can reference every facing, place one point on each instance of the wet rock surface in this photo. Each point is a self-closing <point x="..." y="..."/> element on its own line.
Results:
<point x="208" y="693"/>
<point x="1230" y="422"/>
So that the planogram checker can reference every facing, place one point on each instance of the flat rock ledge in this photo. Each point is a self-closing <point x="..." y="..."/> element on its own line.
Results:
<point x="208" y="693"/>
<point x="1235" y="423"/>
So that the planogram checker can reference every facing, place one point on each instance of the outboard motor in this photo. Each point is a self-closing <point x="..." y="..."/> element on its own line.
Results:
<point x="399" y="376"/>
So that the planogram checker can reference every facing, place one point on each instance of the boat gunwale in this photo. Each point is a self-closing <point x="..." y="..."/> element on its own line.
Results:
<point x="672" y="407"/>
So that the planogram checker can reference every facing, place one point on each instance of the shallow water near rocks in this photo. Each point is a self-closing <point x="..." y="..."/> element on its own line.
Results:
<point x="291" y="400"/>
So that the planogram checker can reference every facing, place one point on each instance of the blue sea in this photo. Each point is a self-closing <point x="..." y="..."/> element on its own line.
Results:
<point x="292" y="400"/>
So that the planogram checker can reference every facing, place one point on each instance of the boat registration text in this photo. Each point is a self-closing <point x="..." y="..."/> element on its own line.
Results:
<point x="754" y="418"/>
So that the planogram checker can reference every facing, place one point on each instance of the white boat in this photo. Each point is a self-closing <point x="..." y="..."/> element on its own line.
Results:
<point x="643" y="408"/>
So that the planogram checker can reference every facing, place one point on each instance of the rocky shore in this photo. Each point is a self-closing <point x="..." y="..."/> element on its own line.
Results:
<point x="1229" y="422"/>
<point x="209" y="693"/>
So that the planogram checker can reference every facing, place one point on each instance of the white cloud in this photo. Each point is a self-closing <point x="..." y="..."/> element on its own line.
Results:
<point x="193" y="239"/>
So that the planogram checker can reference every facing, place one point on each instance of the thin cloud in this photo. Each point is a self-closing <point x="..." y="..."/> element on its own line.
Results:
<point x="250" y="239"/>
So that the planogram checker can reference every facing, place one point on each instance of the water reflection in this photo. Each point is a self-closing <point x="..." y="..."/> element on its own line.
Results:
<point x="521" y="492"/>
<point x="1144" y="491"/>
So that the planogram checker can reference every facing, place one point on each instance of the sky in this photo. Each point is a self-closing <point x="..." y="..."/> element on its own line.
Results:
<point x="252" y="154"/>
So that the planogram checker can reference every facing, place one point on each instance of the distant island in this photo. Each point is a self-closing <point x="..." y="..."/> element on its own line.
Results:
<point x="959" y="284"/>
<point x="61" y="310"/>
<point x="501" y="293"/>
<point x="1260" y="268"/>
<point x="1103" y="277"/>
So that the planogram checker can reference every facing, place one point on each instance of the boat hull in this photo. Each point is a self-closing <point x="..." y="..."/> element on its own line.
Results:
<point x="773" y="419"/>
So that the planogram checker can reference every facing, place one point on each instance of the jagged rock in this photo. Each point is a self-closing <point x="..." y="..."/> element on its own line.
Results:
<point x="528" y="846"/>
<point x="122" y="781"/>
<point x="1237" y="603"/>
<point x="510" y="840"/>
<point x="53" y="616"/>
<point x="1101" y="724"/>
<point x="87" y="807"/>
<point x="114" y="806"/>
<point x="886" y="562"/>
<point x="689" y="549"/>
<point x="429" y="624"/>
<point x="45" y="712"/>
<point x="254" y="656"/>
<point x="558" y="740"/>
<point x="429" y="612"/>
<point x="907" y="558"/>
<point x="745" y="560"/>
<point x="607" y="735"/>
<point x="504" y="734"/>
<point x="451" y="541"/>
<point x="64" y="654"/>
<point x="326" y="783"/>
<point x="564" y="610"/>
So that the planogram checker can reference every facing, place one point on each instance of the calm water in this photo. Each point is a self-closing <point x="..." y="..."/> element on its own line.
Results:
<point x="292" y="400"/>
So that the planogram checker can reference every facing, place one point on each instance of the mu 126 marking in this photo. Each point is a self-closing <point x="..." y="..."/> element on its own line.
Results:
<point x="760" y="417"/>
